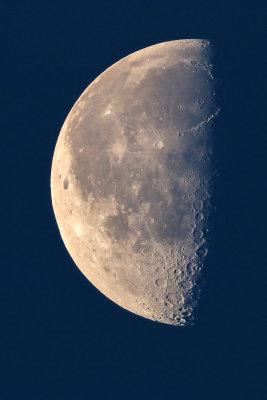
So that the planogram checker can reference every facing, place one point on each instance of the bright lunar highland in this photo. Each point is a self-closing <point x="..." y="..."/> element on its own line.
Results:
<point x="131" y="179"/>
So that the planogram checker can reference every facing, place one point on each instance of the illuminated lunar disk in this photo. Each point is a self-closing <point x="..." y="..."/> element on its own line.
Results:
<point x="131" y="177"/>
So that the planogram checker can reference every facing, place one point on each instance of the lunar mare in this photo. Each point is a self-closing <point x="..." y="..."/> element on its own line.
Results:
<point x="131" y="179"/>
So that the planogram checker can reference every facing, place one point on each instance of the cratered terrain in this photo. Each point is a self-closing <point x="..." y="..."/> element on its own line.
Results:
<point x="131" y="179"/>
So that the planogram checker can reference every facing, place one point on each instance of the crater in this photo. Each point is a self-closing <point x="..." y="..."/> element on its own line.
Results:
<point x="158" y="145"/>
<point x="160" y="282"/>
<point x="66" y="183"/>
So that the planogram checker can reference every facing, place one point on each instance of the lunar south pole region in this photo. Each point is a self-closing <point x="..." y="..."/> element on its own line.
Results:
<point x="131" y="179"/>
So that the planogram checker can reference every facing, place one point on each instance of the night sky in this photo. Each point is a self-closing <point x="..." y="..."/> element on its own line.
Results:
<point x="60" y="337"/>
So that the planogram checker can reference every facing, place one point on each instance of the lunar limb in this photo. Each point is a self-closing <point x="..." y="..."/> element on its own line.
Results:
<point x="131" y="179"/>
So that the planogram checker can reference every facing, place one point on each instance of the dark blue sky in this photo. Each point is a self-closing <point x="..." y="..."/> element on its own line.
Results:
<point x="61" y="338"/>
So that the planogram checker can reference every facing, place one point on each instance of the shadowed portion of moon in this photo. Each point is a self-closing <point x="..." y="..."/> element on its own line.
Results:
<point x="131" y="179"/>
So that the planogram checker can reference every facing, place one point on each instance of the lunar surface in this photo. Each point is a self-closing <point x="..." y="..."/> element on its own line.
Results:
<point x="131" y="179"/>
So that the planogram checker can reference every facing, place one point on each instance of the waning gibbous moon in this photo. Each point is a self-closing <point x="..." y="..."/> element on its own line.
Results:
<point x="131" y="179"/>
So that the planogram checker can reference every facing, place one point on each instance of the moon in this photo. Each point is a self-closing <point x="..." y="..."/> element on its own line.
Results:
<point x="131" y="179"/>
